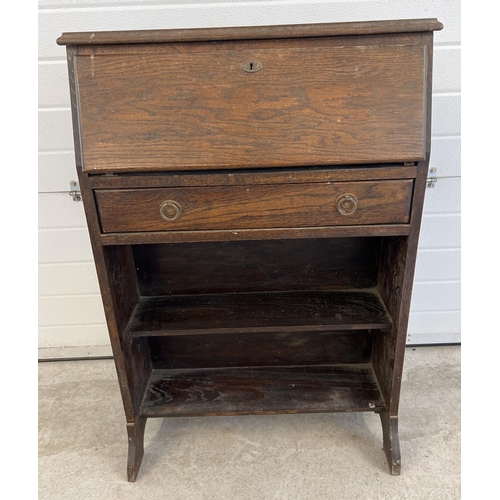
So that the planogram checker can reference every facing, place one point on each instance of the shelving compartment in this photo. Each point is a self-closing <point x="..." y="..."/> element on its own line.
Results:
<point x="258" y="312"/>
<point x="251" y="327"/>
<point x="261" y="390"/>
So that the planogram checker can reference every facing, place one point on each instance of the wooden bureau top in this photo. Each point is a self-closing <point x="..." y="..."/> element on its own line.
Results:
<point x="252" y="97"/>
<point x="250" y="32"/>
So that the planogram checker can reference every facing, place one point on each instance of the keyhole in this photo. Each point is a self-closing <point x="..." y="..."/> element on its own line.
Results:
<point x="251" y="66"/>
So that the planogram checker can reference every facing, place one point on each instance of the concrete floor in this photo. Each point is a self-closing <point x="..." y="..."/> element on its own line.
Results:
<point x="83" y="444"/>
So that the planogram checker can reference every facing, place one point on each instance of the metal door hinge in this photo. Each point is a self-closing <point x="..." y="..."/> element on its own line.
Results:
<point x="75" y="191"/>
<point x="431" y="181"/>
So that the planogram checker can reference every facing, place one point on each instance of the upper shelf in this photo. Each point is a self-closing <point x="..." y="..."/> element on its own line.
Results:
<point x="250" y="32"/>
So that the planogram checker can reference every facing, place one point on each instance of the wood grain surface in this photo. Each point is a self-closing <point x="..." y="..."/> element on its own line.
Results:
<point x="258" y="312"/>
<point x="245" y="324"/>
<point x="261" y="349"/>
<point x="154" y="237"/>
<point x="254" y="207"/>
<point x="249" y="32"/>
<point x="192" y="109"/>
<point x="261" y="390"/>
<point x="244" y="177"/>
<point x="253" y="266"/>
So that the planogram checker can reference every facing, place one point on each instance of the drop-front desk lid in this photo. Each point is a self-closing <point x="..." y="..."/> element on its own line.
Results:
<point x="252" y="97"/>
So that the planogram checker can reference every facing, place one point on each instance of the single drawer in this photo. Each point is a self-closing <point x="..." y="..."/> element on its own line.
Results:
<point x="255" y="207"/>
<point x="252" y="104"/>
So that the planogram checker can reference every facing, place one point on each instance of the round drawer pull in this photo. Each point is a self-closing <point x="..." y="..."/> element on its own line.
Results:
<point x="170" y="210"/>
<point x="347" y="204"/>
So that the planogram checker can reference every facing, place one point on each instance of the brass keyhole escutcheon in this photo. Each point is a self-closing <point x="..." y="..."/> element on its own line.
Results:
<point x="170" y="210"/>
<point x="251" y="66"/>
<point x="347" y="204"/>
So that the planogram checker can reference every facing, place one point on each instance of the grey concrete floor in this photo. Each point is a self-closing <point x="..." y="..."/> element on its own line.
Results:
<point x="83" y="443"/>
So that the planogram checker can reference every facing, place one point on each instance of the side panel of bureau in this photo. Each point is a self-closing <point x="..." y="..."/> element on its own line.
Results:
<point x="314" y="101"/>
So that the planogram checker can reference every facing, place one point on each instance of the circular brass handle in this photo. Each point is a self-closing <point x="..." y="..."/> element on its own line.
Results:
<point x="170" y="210"/>
<point x="347" y="204"/>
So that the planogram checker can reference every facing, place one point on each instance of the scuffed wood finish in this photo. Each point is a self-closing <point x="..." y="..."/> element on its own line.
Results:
<point x="264" y="176"/>
<point x="256" y="266"/>
<point x="318" y="106"/>
<point x="135" y="433"/>
<point x="254" y="207"/>
<point x="154" y="237"/>
<point x="245" y="45"/>
<point x="261" y="349"/>
<point x="261" y="297"/>
<point x="263" y="390"/>
<point x="120" y="268"/>
<point x="75" y="115"/>
<point x="392" y="267"/>
<point x="396" y="270"/>
<point x="258" y="312"/>
<point x="117" y="301"/>
<point x="250" y="32"/>
<point x="391" y="442"/>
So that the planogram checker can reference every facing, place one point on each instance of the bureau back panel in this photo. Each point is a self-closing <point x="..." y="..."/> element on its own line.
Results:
<point x="250" y="266"/>
<point x="261" y="103"/>
<point x="261" y="349"/>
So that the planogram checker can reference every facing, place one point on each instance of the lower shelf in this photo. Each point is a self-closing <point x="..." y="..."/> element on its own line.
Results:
<point x="261" y="390"/>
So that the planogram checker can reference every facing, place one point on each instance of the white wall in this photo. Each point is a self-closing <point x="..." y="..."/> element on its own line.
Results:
<point x="71" y="316"/>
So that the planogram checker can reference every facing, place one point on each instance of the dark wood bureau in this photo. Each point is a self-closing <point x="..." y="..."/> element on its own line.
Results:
<point x="254" y="198"/>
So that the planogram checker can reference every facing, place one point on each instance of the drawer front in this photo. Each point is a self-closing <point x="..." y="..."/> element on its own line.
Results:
<point x="273" y="103"/>
<point x="255" y="207"/>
